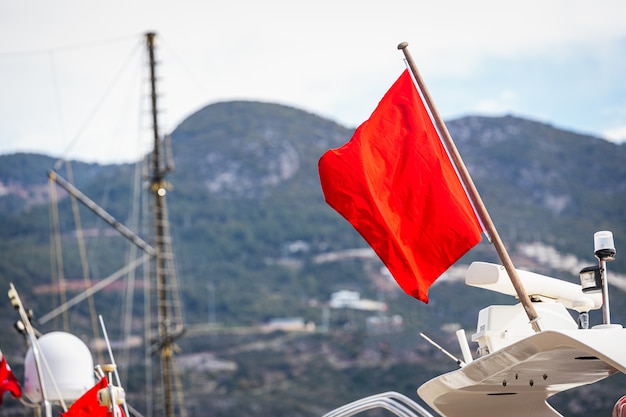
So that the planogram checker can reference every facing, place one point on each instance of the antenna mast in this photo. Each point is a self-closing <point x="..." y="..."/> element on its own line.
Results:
<point x="168" y="313"/>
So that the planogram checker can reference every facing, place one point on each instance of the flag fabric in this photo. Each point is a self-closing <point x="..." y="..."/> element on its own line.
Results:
<point x="395" y="183"/>
<point x="89" y="406"/>
<point x="8" y="381"/>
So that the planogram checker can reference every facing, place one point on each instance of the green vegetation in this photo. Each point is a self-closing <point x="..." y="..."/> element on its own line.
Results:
<point x="248" y="221"/>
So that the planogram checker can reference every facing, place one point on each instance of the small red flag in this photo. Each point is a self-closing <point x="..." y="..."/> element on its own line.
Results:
<point x="8" y="381"/>
<point x="395" y="183"/>
<point x="89" y="406"/>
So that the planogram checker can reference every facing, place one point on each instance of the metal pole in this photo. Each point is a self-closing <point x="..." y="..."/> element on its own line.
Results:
<point x="158" y="187"/>
<point x="104" y="215"/>
<point x="606" y="309"/>
<point x="156" y="184"/>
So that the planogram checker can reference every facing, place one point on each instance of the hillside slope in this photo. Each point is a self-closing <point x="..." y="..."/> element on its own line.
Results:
<point x="255" y="241"/>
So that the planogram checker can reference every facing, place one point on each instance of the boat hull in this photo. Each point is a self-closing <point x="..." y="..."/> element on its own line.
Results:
<point x="517" y="380"/>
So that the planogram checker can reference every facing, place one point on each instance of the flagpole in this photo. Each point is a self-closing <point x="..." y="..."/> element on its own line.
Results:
<point x="474" y="196"/>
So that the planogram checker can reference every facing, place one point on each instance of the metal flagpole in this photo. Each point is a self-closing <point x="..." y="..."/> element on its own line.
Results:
<point x="473" y="194"/>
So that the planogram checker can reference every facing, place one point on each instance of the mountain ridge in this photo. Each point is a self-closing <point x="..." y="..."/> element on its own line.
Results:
<point x="248" y="219"/>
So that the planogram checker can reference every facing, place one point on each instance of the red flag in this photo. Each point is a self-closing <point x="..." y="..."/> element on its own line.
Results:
<point x="395" y="183"/>
<point x="8" y="381"/>
<point x="88" y="405"/>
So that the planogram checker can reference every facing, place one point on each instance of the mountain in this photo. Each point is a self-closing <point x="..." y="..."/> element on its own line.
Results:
<point x="561" y="186"/>
<point x="255" y="242"/>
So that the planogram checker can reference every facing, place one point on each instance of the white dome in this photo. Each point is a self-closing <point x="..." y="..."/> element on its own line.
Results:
<point x="70" y="364"/>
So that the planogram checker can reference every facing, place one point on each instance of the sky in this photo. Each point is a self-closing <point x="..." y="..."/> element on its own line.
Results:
<point x="72" y="72"/>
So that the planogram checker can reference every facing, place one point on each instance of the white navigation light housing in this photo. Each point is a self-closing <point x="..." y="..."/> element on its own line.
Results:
<point x="591" y="279"/>
<point x="603" y="245"/>
<point x="70" y="364"/>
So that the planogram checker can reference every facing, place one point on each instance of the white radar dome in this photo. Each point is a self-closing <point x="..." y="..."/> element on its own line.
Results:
<point x="69" y="363"/>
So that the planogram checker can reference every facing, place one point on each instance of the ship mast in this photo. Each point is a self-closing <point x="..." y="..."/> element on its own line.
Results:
<point x="168" y="313"/>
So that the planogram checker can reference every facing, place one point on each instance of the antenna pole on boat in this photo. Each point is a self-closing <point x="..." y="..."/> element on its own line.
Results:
<point x="604" y="250"/>
<point x="16" y="302"/>
<point x="482" y="213"/>
<point x="445" y="352"/>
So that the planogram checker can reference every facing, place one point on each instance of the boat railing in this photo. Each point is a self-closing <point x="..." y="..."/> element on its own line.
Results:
<point x="394" y="402"/>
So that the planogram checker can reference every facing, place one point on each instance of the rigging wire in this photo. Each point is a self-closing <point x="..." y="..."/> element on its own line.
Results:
<point x="134" y="219"/>
<point x="148" y="306"/>
<point x="56" y="250"/>
<point x="83" y="258"/>
<point x="85" y="45"/>
<point x="192" y="75"/>
<point x="109" y="88"/>
<point x="56" y="245"/>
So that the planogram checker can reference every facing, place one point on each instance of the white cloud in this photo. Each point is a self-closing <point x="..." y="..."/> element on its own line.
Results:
<point x="616" y="134"/>
<point x="504" y="102"/>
